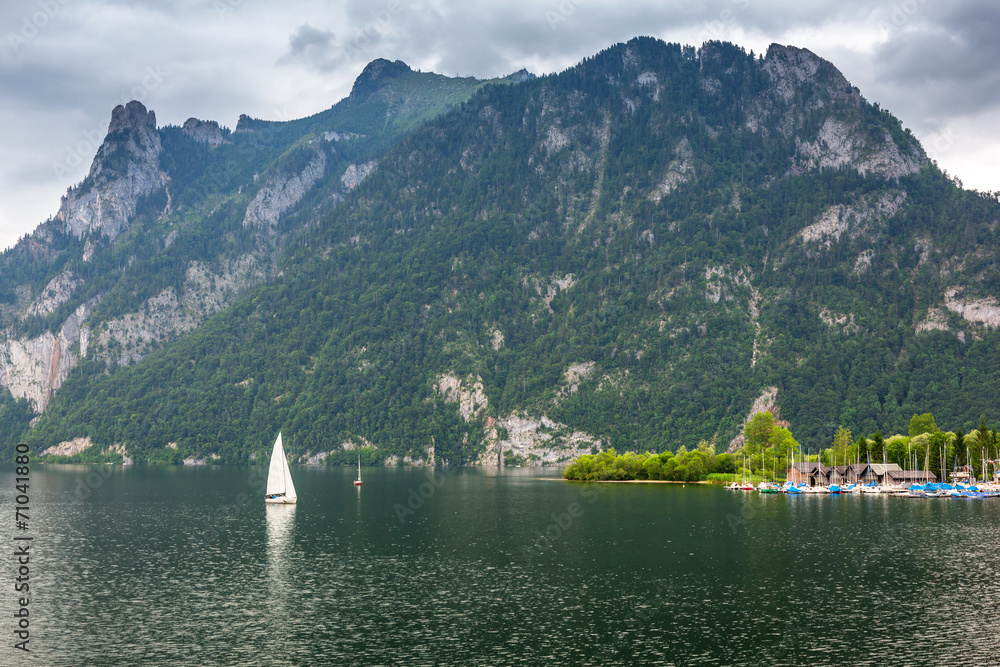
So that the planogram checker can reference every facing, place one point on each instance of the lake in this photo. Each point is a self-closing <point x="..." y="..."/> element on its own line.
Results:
<point x="172" y="565"/>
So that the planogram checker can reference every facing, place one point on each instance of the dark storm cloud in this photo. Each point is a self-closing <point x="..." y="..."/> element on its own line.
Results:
<point x="947" y="56"/>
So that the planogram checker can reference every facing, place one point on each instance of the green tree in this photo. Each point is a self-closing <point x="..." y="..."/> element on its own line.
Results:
<point x="961" y="450"/>
<point x="922" y="424"/>
<point x="877" y="450"/>
<point x="652" y="467"/>
<point x="862" y="449"/>
<point x="841" y="445"/>
<point x="757" y="434"/>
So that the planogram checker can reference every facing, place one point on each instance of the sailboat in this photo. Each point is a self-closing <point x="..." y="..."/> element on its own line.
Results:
<point x="279" y="480"/>
<point x="747" y="484"/>
<point x="357" y="482"/>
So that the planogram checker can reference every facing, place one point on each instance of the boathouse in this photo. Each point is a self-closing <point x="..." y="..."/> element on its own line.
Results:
<point x="907" y="477"/>
<point x="839" y="474"/>
<point x="879" y="473"/>
<point x="808" y="473"/>
<point x="856" y="473"/>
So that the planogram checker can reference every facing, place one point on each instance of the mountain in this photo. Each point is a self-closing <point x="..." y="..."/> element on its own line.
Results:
<point x="637" y="252"/>
<point x="172" y="224"/>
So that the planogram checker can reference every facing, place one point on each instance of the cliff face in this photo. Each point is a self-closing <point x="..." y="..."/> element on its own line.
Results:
<point x="205" y="131"/>
<point x="282" y="191"/>
<point x="828" y="118"/>
<point x="125" y="170"/>
<point x="128" y="339"/>
<point x="34" y="368"/>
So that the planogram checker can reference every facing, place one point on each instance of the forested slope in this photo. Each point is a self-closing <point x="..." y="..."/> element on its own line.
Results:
<point x="635" y="249"/>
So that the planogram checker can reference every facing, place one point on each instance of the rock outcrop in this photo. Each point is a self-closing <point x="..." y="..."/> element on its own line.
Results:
<point x="679" y="171"/>
<point x="58" y="291"/>
<point x="281" y="192"/>
<point x="469" y="394"/>
<point x="804" y="85"/>
<point x="33" y="368"/>
<point x="125" y="170"/>
<point x="527" y="441"/>
<point x="129" y="338"/>
<point x="68" y="447"/>
<point x="205" y="131"/>
<point x="355" y="173"/>
<point x="854" y="220"/>
<point x="766" y="402"/>
<point x="984" y="311"/>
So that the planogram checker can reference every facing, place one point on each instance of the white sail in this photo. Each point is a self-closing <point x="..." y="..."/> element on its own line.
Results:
<point x="277" y="471"/>
<point x="289" y="487"/>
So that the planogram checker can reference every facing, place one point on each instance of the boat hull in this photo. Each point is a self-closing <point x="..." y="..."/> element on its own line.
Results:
<point x="280" y="501"/>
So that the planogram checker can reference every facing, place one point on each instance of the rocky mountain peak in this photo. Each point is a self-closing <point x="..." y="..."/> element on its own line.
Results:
<point x="795" y="70"/>
<point x="205" y="131"/>
<point x="125" y="169"/>
<point x="247" y="124"/>
<point x="850" y="131"/>
<point x="375" y="75"/>
<point x="133" y="116"/>
<point x="520" y="76"/>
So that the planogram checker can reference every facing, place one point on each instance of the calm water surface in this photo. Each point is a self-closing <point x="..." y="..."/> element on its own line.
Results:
<point x="187" y="566"/>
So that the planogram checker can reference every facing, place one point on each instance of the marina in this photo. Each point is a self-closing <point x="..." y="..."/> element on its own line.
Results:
<point x="875" y="478"/>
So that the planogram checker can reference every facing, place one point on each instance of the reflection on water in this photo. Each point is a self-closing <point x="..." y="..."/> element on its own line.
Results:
<point x="280" y="523"/>
<point x="280" y="520"/>
<point x="167" y="566"/>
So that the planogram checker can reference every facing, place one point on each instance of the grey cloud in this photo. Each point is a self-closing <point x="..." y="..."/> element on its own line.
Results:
<point x="308" y="38"/>
<point x="322" y="51"/>
<point x="944" y="58"/>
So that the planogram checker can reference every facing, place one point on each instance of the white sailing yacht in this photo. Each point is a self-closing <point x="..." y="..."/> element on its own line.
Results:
<point x="279" y="480"/>
<point x="357" y="482"/>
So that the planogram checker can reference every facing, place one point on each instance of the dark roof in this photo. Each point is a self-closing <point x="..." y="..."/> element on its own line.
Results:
<point x="809" y="468"/>
<point x="910" y="475"/>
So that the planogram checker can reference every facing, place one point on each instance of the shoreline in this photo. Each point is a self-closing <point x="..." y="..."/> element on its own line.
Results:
<point x="636" y="481"/>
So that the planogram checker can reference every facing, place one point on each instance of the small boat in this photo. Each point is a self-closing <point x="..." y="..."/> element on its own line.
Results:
<point x="280" y="489"/>
<point x="357" y="482"/>
<point x="834" y="488"/>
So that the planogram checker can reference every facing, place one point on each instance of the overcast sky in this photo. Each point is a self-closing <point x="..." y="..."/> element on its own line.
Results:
<point x="64" y="64"/>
